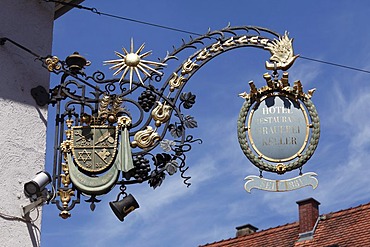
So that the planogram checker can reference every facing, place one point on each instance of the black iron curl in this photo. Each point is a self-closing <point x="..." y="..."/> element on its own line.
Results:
<point x="98" y="76"/>
<point x="122" y="88"/>
<point x="185" y="146"/>
<point x="183" y="168"/>
<point x="110" y="87"/>
<point x="157" y="77"/>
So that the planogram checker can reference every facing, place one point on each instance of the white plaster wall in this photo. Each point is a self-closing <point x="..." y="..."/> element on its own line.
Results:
<point x="22" y="122"/>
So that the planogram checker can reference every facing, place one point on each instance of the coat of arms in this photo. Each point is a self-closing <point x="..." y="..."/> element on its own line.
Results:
<point x="94" y="147"/>
<point x="98" y="148"/>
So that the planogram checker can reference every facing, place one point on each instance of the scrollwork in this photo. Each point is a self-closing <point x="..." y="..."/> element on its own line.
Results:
<point x="92" y="99"/>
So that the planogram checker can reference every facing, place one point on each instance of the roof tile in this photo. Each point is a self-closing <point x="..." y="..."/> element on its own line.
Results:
<point x="349" y="227"/>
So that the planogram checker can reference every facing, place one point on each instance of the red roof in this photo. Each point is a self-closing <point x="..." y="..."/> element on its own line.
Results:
<point x="349" y="227"/>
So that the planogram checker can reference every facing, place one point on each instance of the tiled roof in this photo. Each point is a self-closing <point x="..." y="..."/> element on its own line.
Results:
<point x="349" y="227"/>
<point x="285" y="235"/>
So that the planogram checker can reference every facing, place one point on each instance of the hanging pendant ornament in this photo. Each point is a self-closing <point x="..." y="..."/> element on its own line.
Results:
<point x="124" y="157"/>
<point x="278" y="125"/>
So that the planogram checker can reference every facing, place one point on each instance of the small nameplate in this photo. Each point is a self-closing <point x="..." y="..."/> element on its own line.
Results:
<point x="256" y="182"/>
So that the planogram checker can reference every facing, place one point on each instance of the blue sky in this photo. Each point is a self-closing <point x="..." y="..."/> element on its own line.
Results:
<point x="216" y="202"/>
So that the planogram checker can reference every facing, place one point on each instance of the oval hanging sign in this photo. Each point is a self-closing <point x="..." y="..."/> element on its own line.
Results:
<point x="278" y="131"/>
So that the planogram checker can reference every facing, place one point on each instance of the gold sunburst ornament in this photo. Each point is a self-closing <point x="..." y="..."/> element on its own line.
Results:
<point x="133" y="62"/>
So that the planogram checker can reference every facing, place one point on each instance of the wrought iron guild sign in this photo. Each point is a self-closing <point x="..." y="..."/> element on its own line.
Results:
<point x="122" y="131"/>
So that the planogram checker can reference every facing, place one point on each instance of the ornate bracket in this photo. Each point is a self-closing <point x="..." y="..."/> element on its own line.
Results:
<point x="145" y="123"/>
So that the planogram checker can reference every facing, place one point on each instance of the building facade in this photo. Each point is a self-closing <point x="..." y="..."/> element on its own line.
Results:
<point x="22" y="122"/>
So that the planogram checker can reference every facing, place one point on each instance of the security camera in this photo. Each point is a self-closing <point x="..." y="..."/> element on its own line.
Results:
<point x="37" y="193"/>
<point x="34" y="188"/>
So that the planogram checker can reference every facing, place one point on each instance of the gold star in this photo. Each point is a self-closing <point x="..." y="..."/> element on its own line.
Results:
<point x="133" y="61"/>
<point x="84" y="155"/>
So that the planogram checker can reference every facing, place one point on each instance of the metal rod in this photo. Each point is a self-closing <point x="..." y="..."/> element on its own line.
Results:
<point x="4" y="39"/>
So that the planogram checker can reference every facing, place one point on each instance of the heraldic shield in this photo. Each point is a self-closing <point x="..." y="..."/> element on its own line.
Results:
<point x="94" y="147"/>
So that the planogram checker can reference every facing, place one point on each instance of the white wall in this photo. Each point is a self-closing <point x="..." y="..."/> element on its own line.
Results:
<point x="22" y="122"/>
